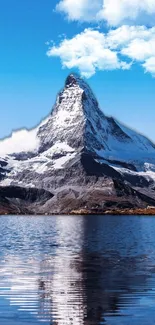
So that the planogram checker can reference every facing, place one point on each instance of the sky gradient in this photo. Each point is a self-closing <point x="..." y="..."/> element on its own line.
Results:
<point x="30" y="80"/>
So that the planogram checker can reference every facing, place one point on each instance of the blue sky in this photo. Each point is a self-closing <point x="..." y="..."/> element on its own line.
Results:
<point x="30" y="80"/>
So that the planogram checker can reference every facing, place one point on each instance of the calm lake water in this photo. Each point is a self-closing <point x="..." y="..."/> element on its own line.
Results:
<point x="77" y="270"/>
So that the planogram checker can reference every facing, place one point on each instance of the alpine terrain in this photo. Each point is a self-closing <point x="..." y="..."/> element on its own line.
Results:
<point x="83" y="161"/>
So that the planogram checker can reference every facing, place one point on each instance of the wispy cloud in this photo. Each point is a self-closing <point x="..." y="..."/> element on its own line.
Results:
<point x="93" y="50"/>
<point x="19" y="141"/>
<point x="114" y="12"/>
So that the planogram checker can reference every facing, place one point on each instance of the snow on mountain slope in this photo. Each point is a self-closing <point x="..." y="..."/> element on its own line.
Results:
<point x="52" y="159"/>
<point x="133" y="148"/>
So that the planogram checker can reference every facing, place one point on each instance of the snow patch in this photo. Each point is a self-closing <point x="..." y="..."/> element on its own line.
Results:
<point x="59" y="147"/>
<point x="59" y="163"/>
<point x="147" y="174"/>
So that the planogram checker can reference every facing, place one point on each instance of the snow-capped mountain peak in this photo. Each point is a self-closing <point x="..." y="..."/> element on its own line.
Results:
<point x="75" y="105"/>
<point x="77" y="144"/>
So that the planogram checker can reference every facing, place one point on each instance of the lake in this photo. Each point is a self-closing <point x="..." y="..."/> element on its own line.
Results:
<point x="84" y="270"/>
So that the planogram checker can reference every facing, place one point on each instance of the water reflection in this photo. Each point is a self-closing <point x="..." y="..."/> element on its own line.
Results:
<point x="81" y="271"/>
<point x="87" y="286"/>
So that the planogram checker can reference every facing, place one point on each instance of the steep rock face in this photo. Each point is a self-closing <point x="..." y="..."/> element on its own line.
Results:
<point x="18" y="200"/>
<point x="81" y="156"/>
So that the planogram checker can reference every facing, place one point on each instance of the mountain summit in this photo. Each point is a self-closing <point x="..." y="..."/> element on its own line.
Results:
<point x="83" y="159"/>
<point x="75" y="108"/>
<point x="77" y="119"/>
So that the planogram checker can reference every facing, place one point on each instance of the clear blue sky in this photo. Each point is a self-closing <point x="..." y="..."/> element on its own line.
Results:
<point x="30" y="80"/>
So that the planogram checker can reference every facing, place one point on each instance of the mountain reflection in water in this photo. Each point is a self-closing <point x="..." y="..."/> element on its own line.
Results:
<point x="77" y="270"/>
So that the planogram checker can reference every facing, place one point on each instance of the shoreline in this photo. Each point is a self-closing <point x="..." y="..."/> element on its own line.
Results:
<point x="137" y="211"/>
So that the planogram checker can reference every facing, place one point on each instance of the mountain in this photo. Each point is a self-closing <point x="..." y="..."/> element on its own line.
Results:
<point x="82" y="160"/>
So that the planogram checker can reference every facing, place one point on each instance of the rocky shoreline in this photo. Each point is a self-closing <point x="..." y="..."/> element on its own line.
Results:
<point x="146" y="211"/>
<point x="141" y="212"/>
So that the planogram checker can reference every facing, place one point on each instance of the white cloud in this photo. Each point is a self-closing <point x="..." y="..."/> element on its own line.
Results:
<point x="114" y="12"/>
<point x="92" y="50"/>
<point x="83" y="10"/>
<point x="87" y="52"/>
<point x="22" y="140"/>
<point x="140" y="49"/>
<point x="149" y="65"/>
<point x="125" y="34"/>
<point x="136" y="42"/>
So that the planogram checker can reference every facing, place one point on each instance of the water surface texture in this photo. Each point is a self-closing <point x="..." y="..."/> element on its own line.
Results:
<point x="77" y="270"/>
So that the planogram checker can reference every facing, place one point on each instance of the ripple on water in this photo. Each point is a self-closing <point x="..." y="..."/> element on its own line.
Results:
<point x="77" y="270"/>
